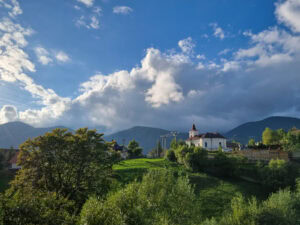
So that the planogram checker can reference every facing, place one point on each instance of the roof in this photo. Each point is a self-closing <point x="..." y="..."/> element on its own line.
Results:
<point x="207" y="135"/>
<point x="14" y="159"/>
<point x="194" y="127"/>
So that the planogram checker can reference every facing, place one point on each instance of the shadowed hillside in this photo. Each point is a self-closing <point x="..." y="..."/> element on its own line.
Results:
<point x="254" y="130"/>
<point x="15" y="133"/>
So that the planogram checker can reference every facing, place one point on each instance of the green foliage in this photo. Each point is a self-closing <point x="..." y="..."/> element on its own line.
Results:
<point x="34" y="207"/>
<point x="72" y="165"/>
<point x="281" y="208"/>
<point x="170" y="155"/>
<point x="160" y="198"/>
<point x="157" y="152"/>
<point x="174" y="144"/>
<point x="196" y="160"/>
<point x="268" y="136"/>
<point x="251" y="142"/>
<point x="134" y="149"/>
<point x="278" y="174"/>
<point x="181" y="152"/>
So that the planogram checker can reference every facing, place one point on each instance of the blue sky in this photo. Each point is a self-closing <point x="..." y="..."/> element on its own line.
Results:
<point x="113" y="64"/>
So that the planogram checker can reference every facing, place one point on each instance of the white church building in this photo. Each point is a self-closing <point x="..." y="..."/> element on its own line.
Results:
<point x="209" y="141"/>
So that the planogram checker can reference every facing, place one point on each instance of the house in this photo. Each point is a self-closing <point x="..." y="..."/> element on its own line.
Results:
<point x="13" y="162"/>
<point x="122" y="149"/>
<point x="209" y="141"/>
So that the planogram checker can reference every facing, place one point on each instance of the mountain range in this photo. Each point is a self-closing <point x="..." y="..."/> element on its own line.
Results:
<point x="254" y="129"/>
<point x="14" y="133"/>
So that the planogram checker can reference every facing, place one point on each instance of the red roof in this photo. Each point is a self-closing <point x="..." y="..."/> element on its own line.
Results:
<point x="14" y="159"/>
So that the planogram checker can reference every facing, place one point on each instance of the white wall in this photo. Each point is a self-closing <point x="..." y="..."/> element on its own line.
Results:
<point x="212" y="143"/>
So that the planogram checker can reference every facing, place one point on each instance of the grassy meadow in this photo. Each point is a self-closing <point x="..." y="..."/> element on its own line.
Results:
<point x="214" y="194"/>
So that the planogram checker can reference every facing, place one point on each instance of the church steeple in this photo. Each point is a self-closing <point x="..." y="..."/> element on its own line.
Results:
<point x="194" y="127"/>
<point x="193" y="132"/>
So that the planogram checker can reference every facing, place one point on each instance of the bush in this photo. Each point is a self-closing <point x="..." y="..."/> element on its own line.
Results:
<point x="160" y="198"/>
<point x="281" y="208"/>
<point x="36" y="208"/>
<point x="181" y="152"/>
<point x="197" y="160"/>
<point x="277" y="174"/>
<point x="170" y="155"/>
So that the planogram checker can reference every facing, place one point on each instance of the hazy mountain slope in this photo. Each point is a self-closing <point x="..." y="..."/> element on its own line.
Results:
<point x="254" y="130"/>
<point x="15" y="133"/>
<point x="146" y="136"/>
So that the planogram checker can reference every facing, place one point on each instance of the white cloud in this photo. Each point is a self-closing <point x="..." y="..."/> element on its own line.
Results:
<point x="43" y="55"/>
<point x="288" y="12"/>
<point x="91" y="23"/>
<point x="124" y="10"/>
<point x="62" y="56"/>
<point x="218" y="31"/>
<point x="94" y="22"/>
<point x="225" y="51"/>
<point x="201" y="56"/>
<point x="13" y="7"/>
<point x="87" y="3"/>
<point x="187" y="45"/>
<point x="8" y="113"/>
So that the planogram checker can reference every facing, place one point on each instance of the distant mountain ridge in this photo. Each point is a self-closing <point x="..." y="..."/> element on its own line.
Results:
<point x="13" y="134"/>
<point x="147" y="137"/>
<point x="254" y="130"/>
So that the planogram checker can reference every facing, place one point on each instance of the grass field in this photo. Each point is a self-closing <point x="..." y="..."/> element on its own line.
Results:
<point x="214" y="194"/>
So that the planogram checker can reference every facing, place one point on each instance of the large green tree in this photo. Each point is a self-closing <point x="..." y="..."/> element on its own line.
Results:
<point x="72" y="165"/>
<point x="134" y="149"/>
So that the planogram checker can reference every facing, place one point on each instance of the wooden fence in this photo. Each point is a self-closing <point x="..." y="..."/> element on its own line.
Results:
<point x="264" y="155"/>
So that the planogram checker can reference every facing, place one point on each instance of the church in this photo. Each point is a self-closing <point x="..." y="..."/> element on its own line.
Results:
<point x="209" y="141"/>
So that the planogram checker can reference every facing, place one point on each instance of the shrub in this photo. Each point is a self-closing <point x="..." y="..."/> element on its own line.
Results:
<point x="196" y="160"/>
<point x="170" y="155"/>
<point x="36" y="208"/>
<point x="160" y="198"/>
<point x="277" y="174"/>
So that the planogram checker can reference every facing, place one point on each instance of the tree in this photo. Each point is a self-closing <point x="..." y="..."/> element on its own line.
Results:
<point x="170" y="155"/>
<point x="173" y="144"/>
<point x="161" y="198"/>
<point x="251" y="143"/>
<point x="73" y="166"/>
<point x="134" y="149"/>
<point x="268" y="136"/>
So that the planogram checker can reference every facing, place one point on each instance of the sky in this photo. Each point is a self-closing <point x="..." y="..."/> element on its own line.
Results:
<point x="114" y="64"/>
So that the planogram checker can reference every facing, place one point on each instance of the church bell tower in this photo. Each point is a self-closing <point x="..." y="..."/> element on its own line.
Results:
<point x="193" y="132"/>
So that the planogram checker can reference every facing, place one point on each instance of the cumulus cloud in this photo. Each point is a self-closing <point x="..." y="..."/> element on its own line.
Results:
<point x="124" y="10"/>
<point x="187" y="45"/>
<point x="87" y="3"/>
<point x="89" y="23"/>
<point x="288" y="12"/>
<point x="218" y="31"/>
<point x="12" y="6"/>
<point x="43" y="55"/>
<point x="62" y="57"/>
<point x="168" y="89"/>
<point x="8" y="113"/>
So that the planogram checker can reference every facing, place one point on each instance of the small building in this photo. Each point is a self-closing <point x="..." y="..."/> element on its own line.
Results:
<point x="13" y="162"/>
<point x="209" y="141"/>
<point x="122" y="149"/>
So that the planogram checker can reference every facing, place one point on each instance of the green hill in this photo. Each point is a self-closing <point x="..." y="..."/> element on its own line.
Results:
<point x="215" y="192"/>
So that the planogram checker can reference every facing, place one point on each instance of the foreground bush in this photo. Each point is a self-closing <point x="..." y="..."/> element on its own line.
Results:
<point x="36" y="208"/>
<point x="159" y="199"/>
<point x="281" y="208"/>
